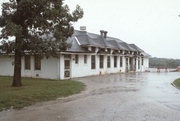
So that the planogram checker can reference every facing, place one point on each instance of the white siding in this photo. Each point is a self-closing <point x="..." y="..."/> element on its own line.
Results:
<point x="146" y="64"/>
<point x="81" y="69"/>
<point x="49" y="68"/>
<point x="53" y="68"/>
<point x="6" y="65"/>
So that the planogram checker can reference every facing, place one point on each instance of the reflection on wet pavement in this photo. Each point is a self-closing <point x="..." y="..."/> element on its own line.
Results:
<point x="116" y="97"/>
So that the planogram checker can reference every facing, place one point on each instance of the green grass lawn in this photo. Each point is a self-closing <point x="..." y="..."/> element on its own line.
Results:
<point x="35" y="90"/>
<point x="177" y="83"/>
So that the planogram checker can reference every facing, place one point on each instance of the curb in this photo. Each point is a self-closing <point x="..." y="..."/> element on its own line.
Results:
<point x="175" y="86"/>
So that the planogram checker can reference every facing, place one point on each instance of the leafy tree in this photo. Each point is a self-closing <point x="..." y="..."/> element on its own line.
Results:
<point x="39" y="27"/>
<point x="164" y="62"/>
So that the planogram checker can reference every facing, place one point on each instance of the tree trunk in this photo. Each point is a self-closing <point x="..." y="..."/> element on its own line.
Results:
<point x="17" y="65"/>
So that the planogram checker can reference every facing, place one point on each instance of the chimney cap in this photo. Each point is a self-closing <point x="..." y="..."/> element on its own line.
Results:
<point x="83" y="28"/>
<point x="105" y="34"/>
<point x="102" y="33"/>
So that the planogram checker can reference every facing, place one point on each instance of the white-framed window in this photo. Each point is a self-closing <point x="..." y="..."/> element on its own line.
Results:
<point x="27" y="62"/>
<point x="121" y="61"/>
<point x="142" y="61"/>
<point x="115" y="61"/>
<point x="37" y="62"/>
<point x="93" y="62"/>
<point x="85" y="59"/>
<point x="138" y="63"/>
<point x="101" y="61"/>
<point x="76" y="59"/>
<point x="108" y="61"/>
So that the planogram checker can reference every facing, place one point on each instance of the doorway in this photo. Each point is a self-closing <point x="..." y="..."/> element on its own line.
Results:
<point x="67" y="66"/>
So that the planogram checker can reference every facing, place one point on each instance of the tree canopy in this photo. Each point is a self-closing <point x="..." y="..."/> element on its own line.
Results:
<point x="39" y="27"/>
<point x="164" y="62"/>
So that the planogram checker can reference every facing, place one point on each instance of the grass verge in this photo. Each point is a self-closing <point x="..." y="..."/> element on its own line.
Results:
<point x="35" y="90"/>
<point x="177" y="83"/>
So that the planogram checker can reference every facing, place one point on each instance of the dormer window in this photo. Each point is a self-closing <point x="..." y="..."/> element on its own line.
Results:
<point x="125" y="52"/>
<point x="93" y="49"/>
<point x="109" y="51"/>
<point x="101" y="51"/>
<point x="135" y="53"/>
<point x="121" y="51"/>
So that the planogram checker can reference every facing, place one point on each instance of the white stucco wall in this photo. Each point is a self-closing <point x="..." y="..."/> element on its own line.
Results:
<point x="146" y="64"/>
<point x="53" y="68"/>
<point x="6" y="65"/>
<point x="49" y="68"/>
<point x="81" y="69"/>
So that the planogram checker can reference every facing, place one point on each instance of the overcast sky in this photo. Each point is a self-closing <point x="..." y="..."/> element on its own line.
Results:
<point x="153" y="25"/>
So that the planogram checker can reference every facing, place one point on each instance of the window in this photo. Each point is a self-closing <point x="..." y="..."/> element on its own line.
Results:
<point x="121" y="61"/>
<point x="93" y="49"/>
<point x="142" y="59"/>
<point x="85" y="59"/>
<point x="27" y="62"/>
<point x="108" y="62"/>
<point x="93" y="62"/>
<point x="76" y="59"/>
<point x="125" y="52"/>
<point x="115" y="61"/>
<point x="109" y="51"/>
<point x="101" y="61"/>
<point x="37" y="62"/>
<point x="138" y="63"/>
<point x="66" y="64"/>
<point x="127" y="61"/>
<point x="121" y="51"/>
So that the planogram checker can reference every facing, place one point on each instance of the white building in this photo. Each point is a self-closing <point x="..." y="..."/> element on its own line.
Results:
<point x="90" y="54"/>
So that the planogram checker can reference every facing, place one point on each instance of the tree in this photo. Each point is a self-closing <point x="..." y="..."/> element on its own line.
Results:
<point x="39" y="27"/>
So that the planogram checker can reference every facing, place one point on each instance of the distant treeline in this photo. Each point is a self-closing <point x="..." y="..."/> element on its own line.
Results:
<point x="163" y="62"/>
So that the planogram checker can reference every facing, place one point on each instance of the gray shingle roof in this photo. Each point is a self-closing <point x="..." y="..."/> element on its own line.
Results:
<point x="74" y="45"/>
<point x="136" y="47"/>
<point x="145" y="54"/>
<point x="84" y="38"/>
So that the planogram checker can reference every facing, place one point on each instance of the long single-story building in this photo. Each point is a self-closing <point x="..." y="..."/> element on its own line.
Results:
<point x="89" y="54"/>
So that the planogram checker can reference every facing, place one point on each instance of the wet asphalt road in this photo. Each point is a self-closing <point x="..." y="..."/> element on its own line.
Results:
<point x="117" y="97"/>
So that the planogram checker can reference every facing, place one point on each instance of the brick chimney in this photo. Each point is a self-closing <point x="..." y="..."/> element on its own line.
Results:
<point x="102" y="33"/>
<point x="105" y="34"/>
<point x="83" y="28"/>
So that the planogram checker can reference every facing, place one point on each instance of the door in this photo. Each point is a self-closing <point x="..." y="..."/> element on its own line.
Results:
<point x="67" y="66"/>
